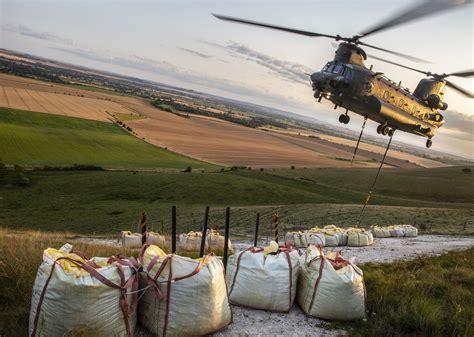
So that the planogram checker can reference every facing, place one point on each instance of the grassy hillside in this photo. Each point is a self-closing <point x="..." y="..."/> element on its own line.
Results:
<point x="36" y="139"/>
<point x="442" y="184"/>
<point x="108" y="201"/>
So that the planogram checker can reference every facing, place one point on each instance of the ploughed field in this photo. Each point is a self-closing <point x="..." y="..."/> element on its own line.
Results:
<point x="205" y="139"/>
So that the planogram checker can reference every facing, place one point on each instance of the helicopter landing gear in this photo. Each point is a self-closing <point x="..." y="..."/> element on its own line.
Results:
<point x="384" y="129"/>
<point x="344" y="119"/>
<point x="429" y="142"/>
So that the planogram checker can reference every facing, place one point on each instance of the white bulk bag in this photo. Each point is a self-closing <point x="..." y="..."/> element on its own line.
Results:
<point x="359" y="238"/>
<point x="263" y="281"/>
<point x="192" y="241"/>
<point x="330" y="288"/>
<point x="155" y="239"/>
<point x="381" y="232"/>
<point x="315" y="239"/>
<point x="186" y="296"/>
<point x="333" y="239"/>
<point x="396" y="231"/>
<point x="410" y="231"/>
<point x="131" y="240"/>
<point x="85" y="295"/>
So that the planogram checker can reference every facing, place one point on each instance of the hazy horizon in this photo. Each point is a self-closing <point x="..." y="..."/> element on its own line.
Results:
<point x="180" y="43"/>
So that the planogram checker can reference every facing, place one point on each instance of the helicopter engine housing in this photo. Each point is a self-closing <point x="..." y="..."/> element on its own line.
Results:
<point x="431" y="91"/>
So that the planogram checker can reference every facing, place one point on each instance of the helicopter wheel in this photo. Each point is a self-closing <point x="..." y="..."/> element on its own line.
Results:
<point x="342" y="119"/>
<point x="385" y="130"/>
<point x="429" y="142"/>
<point x="391" y="132"/>
<point x="379" y="129"/>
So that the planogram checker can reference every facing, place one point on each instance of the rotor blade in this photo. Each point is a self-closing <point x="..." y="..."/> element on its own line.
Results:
<point x="425" y="8"/>
<point x="408" y="57"/>
<point x="458" y="89"/>
<point x="399" y="65"/>
<point x="467" y="73"/>
<point x="285" y="29"/>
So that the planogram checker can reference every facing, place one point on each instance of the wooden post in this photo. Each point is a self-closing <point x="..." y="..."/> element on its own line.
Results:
<point x="256" y="230"/>
<point x="143" y="227"/>
<point x="275" y="226"/>
<point x="204" y="232"/>
<point x="226" y="236"/>
<point x="173" y="229"/>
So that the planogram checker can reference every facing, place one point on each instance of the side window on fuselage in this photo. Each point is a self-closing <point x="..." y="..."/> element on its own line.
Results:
<point x="348" y="73"/>
<point x="338" y="69"/>
<point x="386" y="95"/>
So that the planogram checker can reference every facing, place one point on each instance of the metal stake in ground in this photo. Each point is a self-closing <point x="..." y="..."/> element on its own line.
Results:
<point x="375" y="180"/>
<point x="256" y="230"/>
<point x="204" y="232"/>
<point x="143" y="227"/>
<point x="173" y="229"/>
<point x="226" y="235"/>
<point x="275" y="225"/>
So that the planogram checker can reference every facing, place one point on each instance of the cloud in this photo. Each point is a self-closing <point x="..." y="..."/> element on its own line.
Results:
<point x="291" y="71"/>
<point x="193" y="52"/>
<point x="458" y="125"/>
<point x="27" y="31"/>
<point x="164" y="68"/>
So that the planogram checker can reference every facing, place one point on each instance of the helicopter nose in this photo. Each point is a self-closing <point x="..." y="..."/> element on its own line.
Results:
<point x="317" y="80"/>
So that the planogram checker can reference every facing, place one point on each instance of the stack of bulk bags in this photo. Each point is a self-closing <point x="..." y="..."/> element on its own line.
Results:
<point x="359" y="237"/>
<point x="396" y="231"/>
<point x="185" y="296"/>
<point x="156" y="239"/>
<point x="410" y="231"/>
<point x="304" y="239"/>
<point x="131" y="240"/>
<point x="263" y="278"/>
<point x="381" y="232"/>
<point x="72" y="295"/>
<point x="334" y="236"/>
<point x="192" y="241"/>
<point x="214" y="240"/>
<point x="330" y="288"/>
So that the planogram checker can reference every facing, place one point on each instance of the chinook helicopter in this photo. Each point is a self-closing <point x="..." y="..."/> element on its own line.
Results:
<point x="349" y="84"/>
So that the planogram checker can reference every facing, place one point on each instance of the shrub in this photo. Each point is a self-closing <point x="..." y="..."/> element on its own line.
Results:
<point x="261" y="169"/>
<point x="292" y="167"/>
<point x="188" y="169"/>
<point x="466" y="170"/>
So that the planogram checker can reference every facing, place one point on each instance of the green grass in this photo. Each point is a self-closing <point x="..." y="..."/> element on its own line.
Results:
<point x="126" y="117"/>
<point x="424" y="297"/>
<point x="109" y="201"/>
<point x="438" y="185"/>
<point x="37" y="139"/>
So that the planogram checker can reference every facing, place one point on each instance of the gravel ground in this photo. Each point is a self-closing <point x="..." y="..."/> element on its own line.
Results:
<point x="251" y="322"/>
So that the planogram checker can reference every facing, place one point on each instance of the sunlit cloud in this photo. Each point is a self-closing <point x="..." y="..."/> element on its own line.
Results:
<point x="29" y="32"/>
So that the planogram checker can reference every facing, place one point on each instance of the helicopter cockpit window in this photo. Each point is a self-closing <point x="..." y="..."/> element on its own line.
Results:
<point x="325" y="68"/>
<point x="348" y="73"/>
<point x="329" y="68"/>
<point x="338" y="69"/>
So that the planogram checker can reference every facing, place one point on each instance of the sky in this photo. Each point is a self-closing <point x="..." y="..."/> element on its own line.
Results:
<point x="180" y="43"/>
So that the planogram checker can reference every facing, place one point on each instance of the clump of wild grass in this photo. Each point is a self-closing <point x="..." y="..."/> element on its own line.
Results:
<point x="430" y="296"/>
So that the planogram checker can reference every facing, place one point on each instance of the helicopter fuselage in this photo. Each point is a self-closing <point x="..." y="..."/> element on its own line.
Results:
<point x="347" y="83"/>
<point x="356" y="88"/>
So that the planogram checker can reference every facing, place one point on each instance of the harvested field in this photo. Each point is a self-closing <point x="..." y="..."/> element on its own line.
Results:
<point x="206" y="139"/>
<point x="31" y="95"/>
